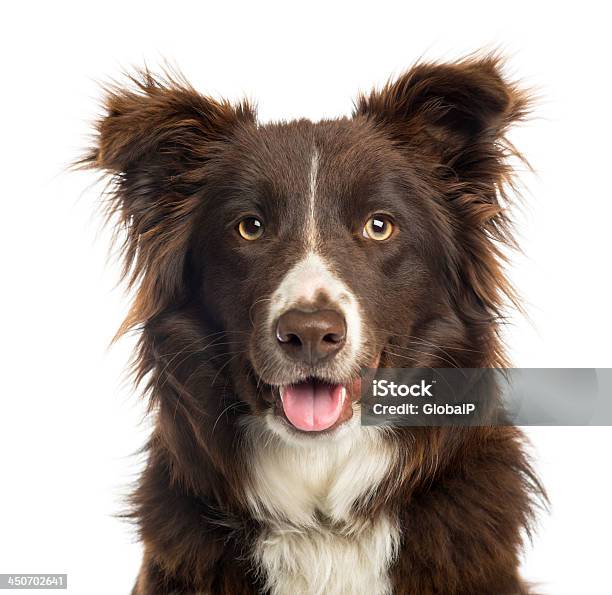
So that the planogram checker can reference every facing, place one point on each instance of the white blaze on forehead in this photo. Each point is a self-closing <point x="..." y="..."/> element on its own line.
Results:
<point x="311" y="225"/>
<point x="309" y="280"/>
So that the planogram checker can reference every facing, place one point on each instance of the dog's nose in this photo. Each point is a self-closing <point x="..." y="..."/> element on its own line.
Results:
<point x="311" y="336"/>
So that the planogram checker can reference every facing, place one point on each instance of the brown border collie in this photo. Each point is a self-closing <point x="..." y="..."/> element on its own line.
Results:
<point x="271" y="263"/>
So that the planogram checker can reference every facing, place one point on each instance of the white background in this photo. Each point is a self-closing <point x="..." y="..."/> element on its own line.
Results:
<point x="69" y="425"/>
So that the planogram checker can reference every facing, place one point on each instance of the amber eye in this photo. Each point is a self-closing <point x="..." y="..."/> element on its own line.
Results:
<point x="250" y="228"/>
<point x="378" y="227"/>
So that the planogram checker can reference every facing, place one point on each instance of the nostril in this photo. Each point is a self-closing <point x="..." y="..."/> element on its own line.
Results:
<point x="287" y="337"/>
<point x="333" y="338"/>
<point x="292" y="339"/>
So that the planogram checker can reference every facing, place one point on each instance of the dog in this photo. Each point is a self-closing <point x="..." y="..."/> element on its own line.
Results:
<point x="271" y="263"/>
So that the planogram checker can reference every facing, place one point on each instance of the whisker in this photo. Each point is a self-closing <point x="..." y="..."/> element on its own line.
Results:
<point x="419" y="352"/>
<point x="223" y="366"/>
<point x="214" y="343"/>
<point x="230" y="406"/>
<point x="259" y="301"/>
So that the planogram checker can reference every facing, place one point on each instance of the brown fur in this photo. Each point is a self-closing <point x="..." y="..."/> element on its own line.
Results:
<point x="464" y="496"/>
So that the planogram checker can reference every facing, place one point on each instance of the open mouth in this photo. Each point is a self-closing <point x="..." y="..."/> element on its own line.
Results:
<point x="314" y="405"/>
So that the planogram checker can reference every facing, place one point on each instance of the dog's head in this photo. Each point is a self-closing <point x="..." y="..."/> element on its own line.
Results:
<point x="312" y="250"/>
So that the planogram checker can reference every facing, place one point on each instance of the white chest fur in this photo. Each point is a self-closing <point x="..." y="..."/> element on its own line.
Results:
<point x="303" y="492"/>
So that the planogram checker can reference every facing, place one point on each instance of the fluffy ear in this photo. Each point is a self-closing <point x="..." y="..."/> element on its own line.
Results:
<point x="451" y="120"/>
<point x="155" y="139"/>
<point x="453" y="113"/>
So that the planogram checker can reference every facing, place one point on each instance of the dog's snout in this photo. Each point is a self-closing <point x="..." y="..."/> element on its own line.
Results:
<point x="311" y="336"/>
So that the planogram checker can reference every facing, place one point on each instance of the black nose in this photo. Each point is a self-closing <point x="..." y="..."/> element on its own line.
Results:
<point x="311" y="336"/>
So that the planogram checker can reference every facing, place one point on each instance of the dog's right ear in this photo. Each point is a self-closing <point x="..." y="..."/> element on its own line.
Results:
<point x="156" y="138"/>
<point x="162" y="122"/>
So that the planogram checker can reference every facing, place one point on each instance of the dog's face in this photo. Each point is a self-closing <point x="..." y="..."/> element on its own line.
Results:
<point x="320" y="245"/>
<point x="318" y="249"/>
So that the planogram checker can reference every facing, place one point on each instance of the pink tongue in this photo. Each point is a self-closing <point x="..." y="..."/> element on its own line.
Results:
<point x="311" y="406"/>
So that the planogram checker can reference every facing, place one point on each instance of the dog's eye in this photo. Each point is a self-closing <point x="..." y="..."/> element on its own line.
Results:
<point x="378" y="227"/>
<point x="250" y="228"/>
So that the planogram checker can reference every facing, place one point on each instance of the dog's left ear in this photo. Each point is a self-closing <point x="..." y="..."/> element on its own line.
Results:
<point x="453" y="113"/>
